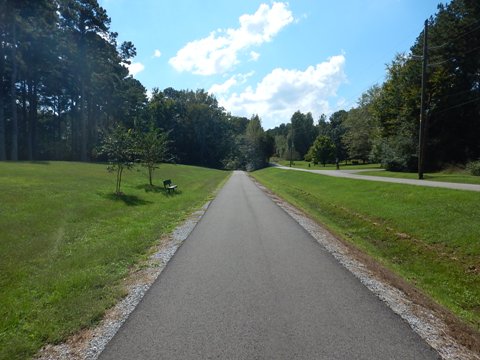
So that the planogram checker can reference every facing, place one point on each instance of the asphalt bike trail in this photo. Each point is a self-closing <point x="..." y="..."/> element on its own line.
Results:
<point x="250" y="283"/>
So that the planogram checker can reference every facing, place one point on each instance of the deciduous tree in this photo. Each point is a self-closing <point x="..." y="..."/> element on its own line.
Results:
<point x="322" y="150"/>
<point x="152" y="150"/>
<point x="119" y="147"/>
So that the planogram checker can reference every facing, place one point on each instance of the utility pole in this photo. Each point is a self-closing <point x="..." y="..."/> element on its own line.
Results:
<point x="291" y="147"/>
<point x="422" y="136"/>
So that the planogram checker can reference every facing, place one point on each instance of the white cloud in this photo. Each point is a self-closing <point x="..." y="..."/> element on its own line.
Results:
<point x="135" y="68"/>
<point x="235" y="80"/>
<point x="219" y="52"/>
<point x="223" y="88"/>
<point x="254" y="55"/>
<point x="157" y="53"/>
<point x="282" y="92"/>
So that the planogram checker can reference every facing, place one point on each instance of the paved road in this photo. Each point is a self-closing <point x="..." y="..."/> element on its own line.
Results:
<point x="250" y="283"/>
<point x="352" y="174"/>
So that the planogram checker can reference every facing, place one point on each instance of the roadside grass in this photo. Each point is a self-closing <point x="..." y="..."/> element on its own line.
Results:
<point x="66" y="242"/>
<point x="304" y="165"/>
<point x="429" y="236"/>
<point x="462" y="177"/>
<point x="454" y="176"/>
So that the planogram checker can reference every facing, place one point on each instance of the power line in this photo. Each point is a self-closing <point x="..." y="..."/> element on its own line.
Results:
<point x="455" y="39"/>
<point x="447" y="60"/>
<point x="400" y="43"/>
<point x="420" y="57"/>
<point x="456" y="94"/>
<point x="441" y="62"/>
<point x="441" y="111"/>
<point x="454" y="57"/>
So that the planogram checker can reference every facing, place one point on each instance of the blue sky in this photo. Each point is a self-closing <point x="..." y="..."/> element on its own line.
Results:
<point x="268" y="58"/>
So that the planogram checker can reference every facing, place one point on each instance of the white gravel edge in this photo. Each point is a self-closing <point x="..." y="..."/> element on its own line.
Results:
<point x="422" y="320"/>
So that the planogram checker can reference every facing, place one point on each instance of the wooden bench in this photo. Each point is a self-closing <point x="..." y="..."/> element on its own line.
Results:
<point x="167" y="184"/>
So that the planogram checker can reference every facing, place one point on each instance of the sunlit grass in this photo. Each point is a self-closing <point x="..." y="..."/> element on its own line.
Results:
<point x="454" y="177"/>
<point x="66" y="241"/>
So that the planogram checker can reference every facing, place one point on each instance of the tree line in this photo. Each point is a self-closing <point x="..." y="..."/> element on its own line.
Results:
<point x="64" y="79"/>
<point x="203" y="133"/>
<point x="64" y="87"/>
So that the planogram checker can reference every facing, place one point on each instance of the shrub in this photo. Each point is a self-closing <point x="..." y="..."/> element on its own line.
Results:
<point x="308" y="156"/>
<point x="474" y="167"/>
<point x="398" y="154"/>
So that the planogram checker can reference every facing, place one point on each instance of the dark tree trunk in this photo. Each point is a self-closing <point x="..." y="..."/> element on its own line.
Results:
<point x="72" y="119"/>
<point x="83" y="124"/>
<point x="24" y="118"/>
<point x="13" y="93"/>
<point x="3" y="145"/>
<point x="55" y="139"/>
<point x="83" y="101"/>
<point x="93" y="116"/>
<point x="3" y="154"/>
<point x="32" y="121"/>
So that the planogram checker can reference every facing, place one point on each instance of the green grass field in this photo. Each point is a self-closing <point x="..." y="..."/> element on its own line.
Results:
<point x="454" y="177"/>
<point x="429" y="236"/>
<point x="66" y="242"/>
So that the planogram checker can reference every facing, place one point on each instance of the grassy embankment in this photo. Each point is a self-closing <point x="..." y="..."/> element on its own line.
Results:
<point x="444" y="176"/>
<point x="450" y="175"/>
<point x="429" y="236"/>
<point x="66" y="242"/>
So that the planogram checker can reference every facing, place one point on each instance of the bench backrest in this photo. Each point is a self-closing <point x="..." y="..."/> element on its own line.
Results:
<point x="167" y="183"/>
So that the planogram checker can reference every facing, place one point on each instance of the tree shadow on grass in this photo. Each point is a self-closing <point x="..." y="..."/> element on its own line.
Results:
<point x="158" y="189"/>
<point x="172" y="193"/>
<point x="129" y="200"/>
<point x="150" y="188"/>
<point x="40" y="162"/>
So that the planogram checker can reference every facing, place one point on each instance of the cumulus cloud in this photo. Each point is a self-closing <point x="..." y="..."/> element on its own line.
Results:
<point x="157" y="53"/>
<point x="235" y="80"/>
<point x="283" y="91"/>
<point x="254" y="55"/>
<point x="219" y="52"/>
<point x="135" y="68"/>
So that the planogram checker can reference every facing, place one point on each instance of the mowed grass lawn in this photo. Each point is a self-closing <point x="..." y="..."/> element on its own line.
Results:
<point x="455" y="177"/>
<point x="429" y="236"/>
<point x="66" y="242"/>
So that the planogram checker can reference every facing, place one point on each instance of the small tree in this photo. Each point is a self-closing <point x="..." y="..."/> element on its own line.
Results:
<point x="152" y="149"/>
<point x="119" y="148"/>
<point x="322" y="150"/>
